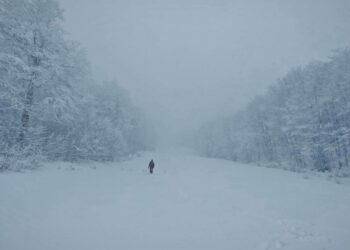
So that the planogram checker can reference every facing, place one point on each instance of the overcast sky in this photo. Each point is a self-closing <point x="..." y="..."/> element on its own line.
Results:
<point x="187" y="61"/>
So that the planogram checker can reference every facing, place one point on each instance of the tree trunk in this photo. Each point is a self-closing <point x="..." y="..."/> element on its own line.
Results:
<point x="26" y="114"/>
<point x="29" y="95"/>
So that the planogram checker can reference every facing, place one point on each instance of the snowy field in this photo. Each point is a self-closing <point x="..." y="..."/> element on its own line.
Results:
<point x="189" y="203"/>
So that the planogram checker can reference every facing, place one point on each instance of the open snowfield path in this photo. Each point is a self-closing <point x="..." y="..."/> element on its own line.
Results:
<point x="189" y="203"/>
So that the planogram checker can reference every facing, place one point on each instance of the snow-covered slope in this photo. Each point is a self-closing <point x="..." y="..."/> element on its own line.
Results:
<point x="189" y="203"/>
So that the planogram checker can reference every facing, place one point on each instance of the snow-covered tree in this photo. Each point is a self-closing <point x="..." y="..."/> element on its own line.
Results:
<point x="49" y="104"/>
<point x="302" y="122"/>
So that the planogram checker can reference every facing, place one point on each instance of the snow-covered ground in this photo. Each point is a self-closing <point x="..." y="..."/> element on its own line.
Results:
<point x="189" y="203"/>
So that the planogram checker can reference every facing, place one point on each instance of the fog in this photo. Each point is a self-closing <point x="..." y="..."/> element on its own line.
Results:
<point x="188" y="61"/>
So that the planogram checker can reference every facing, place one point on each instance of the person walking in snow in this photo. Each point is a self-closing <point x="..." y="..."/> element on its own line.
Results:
<point x="151" y="166"/>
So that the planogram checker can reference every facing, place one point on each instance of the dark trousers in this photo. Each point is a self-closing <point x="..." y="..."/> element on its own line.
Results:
<point x="151" y="170"/>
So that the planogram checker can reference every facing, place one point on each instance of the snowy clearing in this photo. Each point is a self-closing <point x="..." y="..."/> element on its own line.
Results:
<point x="189" y="203"/>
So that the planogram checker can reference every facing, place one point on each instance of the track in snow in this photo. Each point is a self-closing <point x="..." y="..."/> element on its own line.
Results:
<point x="189" y="203"/>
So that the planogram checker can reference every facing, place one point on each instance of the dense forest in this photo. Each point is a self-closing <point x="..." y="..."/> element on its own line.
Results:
<point x="50" y="106"/>
<point x="301" y="123"/>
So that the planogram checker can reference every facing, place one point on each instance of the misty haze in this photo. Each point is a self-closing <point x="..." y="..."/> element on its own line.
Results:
<point x="174" y="124"/>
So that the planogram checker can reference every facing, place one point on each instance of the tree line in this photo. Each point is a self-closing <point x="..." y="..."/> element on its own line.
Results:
<point x="50" y="106"/>
<point x="301" y="123"/>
